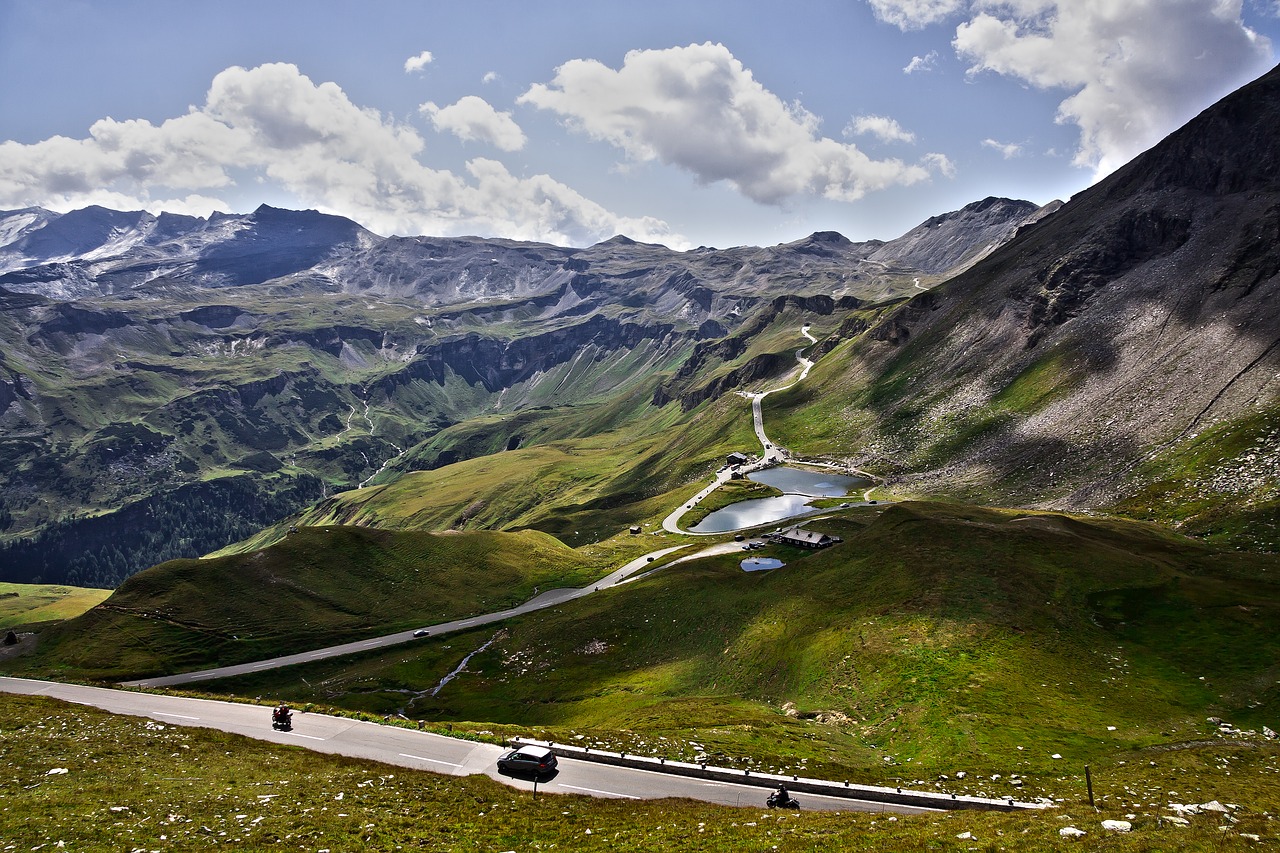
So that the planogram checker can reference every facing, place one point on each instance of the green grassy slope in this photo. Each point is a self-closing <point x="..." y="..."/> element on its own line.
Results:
<point x="579" y="489"/>
<point x="318" y="587"/>
<point x="935" y="638"/>
<point x="124" y="789"/>
<point x="29" y="604"/>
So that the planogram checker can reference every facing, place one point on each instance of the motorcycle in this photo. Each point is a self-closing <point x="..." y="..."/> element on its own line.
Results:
<point x="782" y="801"/>
<point x="282" y="720"/>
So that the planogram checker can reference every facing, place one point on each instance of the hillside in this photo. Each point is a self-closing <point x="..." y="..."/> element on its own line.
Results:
<point x="169" y="385"/>
<point x="1121" y="353"/>
<point x="319" y="586"/>
<point x="257" y="795"/>
<point x="936" y="637"/>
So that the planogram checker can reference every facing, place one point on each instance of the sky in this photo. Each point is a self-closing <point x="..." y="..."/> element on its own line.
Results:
<point x="688" y="123"/>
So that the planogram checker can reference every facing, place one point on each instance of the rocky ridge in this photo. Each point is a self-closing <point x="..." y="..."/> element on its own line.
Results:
<point x="1086" y="354"/>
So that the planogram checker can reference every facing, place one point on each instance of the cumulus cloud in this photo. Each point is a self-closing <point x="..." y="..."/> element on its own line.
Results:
<point x="419" y="62"/>
<point x="921" y="63"/>
<point x="489" y="77"/>
<point x="699" y="109"/>
<point x="1136" y="69"/>
<point x="1008" y="150"/>
<point x="939" y="163"/>
<point x="274" y="125"/>
<point x="882" y="127"/>
<point x="473" y="119"/>
<point x="914" y="14"/>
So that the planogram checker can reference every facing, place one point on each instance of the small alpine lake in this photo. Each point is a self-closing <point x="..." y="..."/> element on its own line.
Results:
<point x="800" y="486"/>
<point x="760" y="564"/>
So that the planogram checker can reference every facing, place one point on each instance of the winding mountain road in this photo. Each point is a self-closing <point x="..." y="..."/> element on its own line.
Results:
<point x="398" y="746"/>
<point x="550" y="598"/>
<point x="421" y="750"/>
<point x="771" y="454"/>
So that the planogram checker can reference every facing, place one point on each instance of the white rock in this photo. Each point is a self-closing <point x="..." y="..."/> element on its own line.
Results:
<point x="1214" y="806"/>
<point x="1071" y="832"/>
<point x="1117" y="825"/>
<point x="57" y="771"/>
<point x="965" y="835"/>
<point x="1181" y="809"/>
<point x="1178" y="821"/>
<point x="1055" y="755"/>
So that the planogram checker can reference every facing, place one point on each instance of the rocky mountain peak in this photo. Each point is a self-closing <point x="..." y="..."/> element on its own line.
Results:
<point x="1141" y="311"/>
<point x="952" y="241"/>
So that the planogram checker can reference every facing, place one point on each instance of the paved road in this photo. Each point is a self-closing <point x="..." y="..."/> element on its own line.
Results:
<point x="771" y="454"/>
<point x="419" y="750"/>
<point x="547" y="599"/>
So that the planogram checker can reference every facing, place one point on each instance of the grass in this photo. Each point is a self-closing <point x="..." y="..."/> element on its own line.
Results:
<point x="936" y="638"/>
<point x="580" y="489"/>
<point x="1218" y="483"/>
<point x="132" y="783"/>
<point x="318" y="587"/>
<point x="32" y="604"/>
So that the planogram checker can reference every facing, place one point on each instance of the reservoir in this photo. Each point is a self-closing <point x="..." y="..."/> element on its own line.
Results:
<point x="800" y="486"/>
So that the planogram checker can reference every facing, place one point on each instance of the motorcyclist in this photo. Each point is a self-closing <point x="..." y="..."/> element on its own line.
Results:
<point x="281" y="714"/>
<point x="782" y="796"/>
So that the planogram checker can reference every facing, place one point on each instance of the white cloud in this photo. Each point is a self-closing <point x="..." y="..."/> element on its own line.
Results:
<point x="1008" y="150"/>
<point x="489" y="77"/>
<point x="882" y="127"/>
<point x="921" y="63"/>
<point x="699" y="109"/>
<point x="419" y="62"/>
<point x="914" y="14"/>
<point x="939" y="163"/>
<point x="473" y="119"/>
<point x="274" y="125"/>
<point x="1137" y="69"/>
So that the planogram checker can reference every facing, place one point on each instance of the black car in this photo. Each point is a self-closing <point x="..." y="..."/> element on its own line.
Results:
<point x="528" y="760"/>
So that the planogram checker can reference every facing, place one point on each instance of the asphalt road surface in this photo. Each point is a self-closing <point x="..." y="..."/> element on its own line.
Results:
<point x="422" y="750"/>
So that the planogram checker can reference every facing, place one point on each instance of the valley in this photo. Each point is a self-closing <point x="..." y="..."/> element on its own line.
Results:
<point x="1069" y="414"/>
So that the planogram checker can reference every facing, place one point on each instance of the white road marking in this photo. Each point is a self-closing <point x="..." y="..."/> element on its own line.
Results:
<point x="595" y="791"/>
<point x="432" y="760"/>
<point x="308" y="737"/>
<point x="179" y="716"/>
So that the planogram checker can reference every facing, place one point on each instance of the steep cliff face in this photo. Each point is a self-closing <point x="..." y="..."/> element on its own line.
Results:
<point x="1107" y="336"/>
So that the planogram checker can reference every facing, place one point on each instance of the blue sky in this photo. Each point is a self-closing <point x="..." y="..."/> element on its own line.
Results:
<point x="708" y="123"/>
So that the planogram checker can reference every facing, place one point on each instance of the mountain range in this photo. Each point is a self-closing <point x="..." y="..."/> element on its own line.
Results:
<point x="170" y="384"/>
